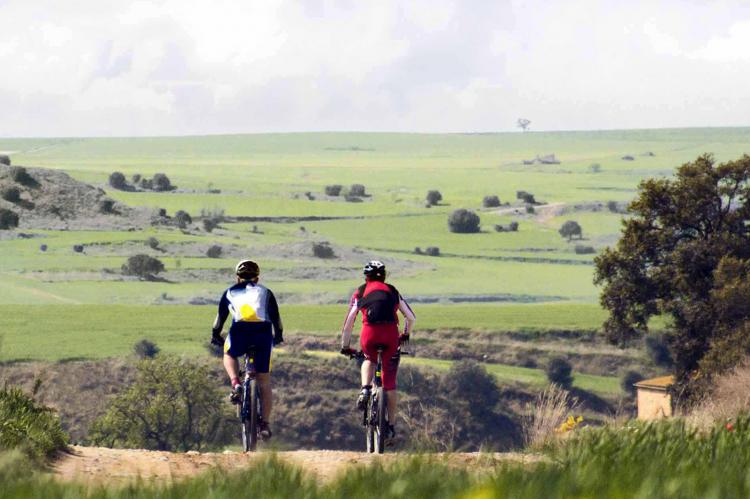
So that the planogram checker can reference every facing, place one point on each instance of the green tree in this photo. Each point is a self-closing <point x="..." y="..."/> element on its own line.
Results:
<point x="8" y="219"/>
<point x="172" y="405"/>
<point x="463" y="221"/>
<point x="29" y="425"/>
<point x="560" y="371"/>
<point x="685" y="253"/>
<point x="143" y="266"/>
<point x="434" y="197"/>
<point x="183" y="219"/>
<point x="570" y="229"/>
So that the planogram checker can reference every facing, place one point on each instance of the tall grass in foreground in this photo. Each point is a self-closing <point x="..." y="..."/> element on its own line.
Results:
<point x="666" y="459"/>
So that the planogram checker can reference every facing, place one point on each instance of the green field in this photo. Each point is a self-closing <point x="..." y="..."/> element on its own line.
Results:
<point x="60" y="332"/>
<point x="266" y="176"/>
<point x="58" y="304"/>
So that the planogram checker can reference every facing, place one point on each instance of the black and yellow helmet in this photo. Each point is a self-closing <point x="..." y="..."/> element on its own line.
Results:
<point x="247" y="269"/>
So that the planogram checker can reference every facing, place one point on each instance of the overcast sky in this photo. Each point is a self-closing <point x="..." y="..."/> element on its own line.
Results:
<point x="103" y="67"/>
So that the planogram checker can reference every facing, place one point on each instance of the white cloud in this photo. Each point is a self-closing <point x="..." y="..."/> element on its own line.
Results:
<point x="733" y="47"/>
<point x="100" y="67"/>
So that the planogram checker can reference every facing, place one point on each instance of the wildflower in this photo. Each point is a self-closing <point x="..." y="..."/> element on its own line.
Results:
<point x="569" y="424"/>
<point x="729" y="427"/>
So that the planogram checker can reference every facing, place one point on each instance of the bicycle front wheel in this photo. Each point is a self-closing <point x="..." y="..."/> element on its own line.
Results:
<point x="250" y="421"/>
<point x="370" y="419"/>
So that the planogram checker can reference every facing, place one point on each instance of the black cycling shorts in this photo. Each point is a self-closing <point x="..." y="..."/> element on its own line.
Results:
<point x="240" y="342"/>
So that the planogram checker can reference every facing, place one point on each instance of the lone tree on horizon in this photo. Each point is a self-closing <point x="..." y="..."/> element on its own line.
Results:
<point x="523" y="124"/>
<point x="684" y="253"/>
<point x="570" y="229"/>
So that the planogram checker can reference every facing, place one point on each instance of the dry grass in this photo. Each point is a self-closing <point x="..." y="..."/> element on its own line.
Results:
<point x="550" y="410"/>
<point x="729" y="397"/>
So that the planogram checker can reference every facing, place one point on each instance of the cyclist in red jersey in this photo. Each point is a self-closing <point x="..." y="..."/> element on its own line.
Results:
<point x="379" y="303"/>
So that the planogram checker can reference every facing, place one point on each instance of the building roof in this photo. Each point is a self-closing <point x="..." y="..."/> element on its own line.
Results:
<point x="660" y="383"/>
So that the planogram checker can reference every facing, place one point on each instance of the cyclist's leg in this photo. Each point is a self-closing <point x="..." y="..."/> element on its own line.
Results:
<point x="266" y="394"/>
<point x="367" y="343"/>
<point x="263" y="343"/>
<point x="390" y="370"/>
<point x="231" y="365"/>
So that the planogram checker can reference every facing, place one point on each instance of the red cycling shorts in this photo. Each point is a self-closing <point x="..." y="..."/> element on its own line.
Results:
<point x="386" y="335"/>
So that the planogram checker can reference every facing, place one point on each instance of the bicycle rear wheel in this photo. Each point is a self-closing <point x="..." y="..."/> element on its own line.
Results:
<point x="250" y="421"/>
<point x="381" y="422"/>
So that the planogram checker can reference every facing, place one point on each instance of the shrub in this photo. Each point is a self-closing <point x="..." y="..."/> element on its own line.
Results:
<point x="463" y="221"/>
<point x="469" y="382"/>
<point x="106" y="206"/>
<point x="136" y="178"/>
<point x="78" y="248"/>
<point x="4" y="159"/>
<point x="21" y="176"/>
<point x="117" y="181"/>
<point x="11" y="194"/>
<point x="183" y="219"/>
<point x="491" y="202"/>
<point x="146" y="349"/>
<point x="350" y="198"/>
<point x="172" y="405"/>
<point x="43" y="248"/>
<point x="434" y="197"/>
<point x="613" y="206"/>
<point x="571" y="229"/>
<point x="559" y="371"/>
<point x="357" y="190"/>
<point x="629" y="379"/>
<point x="143" y="266"/>
<point x="28" y="425"/>
<point x="161" y="183"/>
<point x="628" y="157"/>
<point x="147" y="183"/>
<point x="323" y="250"/>
<point x="511" y="227"/>
<point x="530" y="209"/>
<point x="595" y="168"/>
<point x="584" y="250"/>
<point x="526" y="197"/>
<point x="152" y="243"/>
<point x="333" y="190"/>
<point x="417" y="250"/>
<point x="657" y="348"/>
<point x="214" y="251"/>
<point x="432" y="251"/>
<point x="209" y="224"/>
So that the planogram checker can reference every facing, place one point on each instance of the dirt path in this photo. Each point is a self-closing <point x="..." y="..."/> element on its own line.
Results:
<point x="102" y="465"/>
<point x="543" y="212"/>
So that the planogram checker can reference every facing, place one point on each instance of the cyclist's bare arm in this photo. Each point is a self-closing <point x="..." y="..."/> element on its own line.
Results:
<point x="351" y="316"/>
<point x="408" y="313"/>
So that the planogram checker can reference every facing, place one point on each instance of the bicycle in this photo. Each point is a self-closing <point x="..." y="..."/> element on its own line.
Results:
<point x="249" y="408"/>
<point x="375" y="415"/>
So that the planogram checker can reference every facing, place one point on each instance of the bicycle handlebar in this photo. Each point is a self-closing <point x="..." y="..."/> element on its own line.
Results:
<point x="359" y="354"/>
